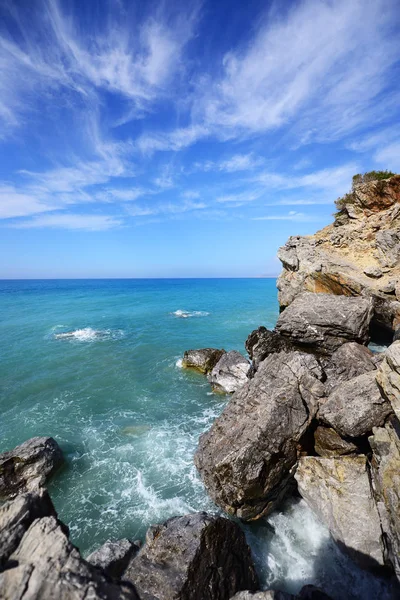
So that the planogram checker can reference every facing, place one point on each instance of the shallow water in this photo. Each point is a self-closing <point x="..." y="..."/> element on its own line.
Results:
<point x="96" y="364"/>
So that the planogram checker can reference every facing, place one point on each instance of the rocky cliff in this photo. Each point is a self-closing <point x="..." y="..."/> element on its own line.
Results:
<point x="358" y="254"/>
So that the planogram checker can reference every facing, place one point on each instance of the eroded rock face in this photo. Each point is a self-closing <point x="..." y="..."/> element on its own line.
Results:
<point x="324" y="322"/>
<point x="196" y="557"/>
<point x="328" y="443"/>
<point x="335" y="258"/>
<point x="385" y="444"/>
<point x="113" y="557"/>
<point x="230" y="372"/>
<point x="262" y="342"/>
<point x="356" y="406"/>
<point x="349" y="361"/>
<point x="388" y="376"/>
<point x="203" y="360"/>
<point x="245" y="459"/>
<point x="338" y="491"/>
<point x="27" y="467"/>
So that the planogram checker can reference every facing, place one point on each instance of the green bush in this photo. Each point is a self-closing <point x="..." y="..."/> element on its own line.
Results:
<point x="349" y="198"/>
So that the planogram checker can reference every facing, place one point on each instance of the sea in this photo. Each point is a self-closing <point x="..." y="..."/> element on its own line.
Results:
<point x="97" y="364"/>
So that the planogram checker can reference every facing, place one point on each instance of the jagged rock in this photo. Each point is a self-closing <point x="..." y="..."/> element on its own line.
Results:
<point x="328" y="443"/>
<point x="113" y="557"/>
<point x="372" y="271"/>
<point x="349" y="361"/>
<point x="43" y="563"/>
<point x="230" y="372"/>
<point x="203" y="360"/>
<point x="245" y="459"/>
<point x="385" y="444"/>
<point x="196" y="557"/>
<point x="308" y="592"/>
<point x="27" y="467"/>
<point x="323" y="322"/>
<point x="262" y="342"/>
<point x="338" y="491"/>
<point x="388" y="376"/>
<point x="333" y="260"/>
<point x="355" y="407"/>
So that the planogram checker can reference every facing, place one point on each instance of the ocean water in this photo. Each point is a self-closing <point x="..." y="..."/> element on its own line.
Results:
<point x="96" y="365"/>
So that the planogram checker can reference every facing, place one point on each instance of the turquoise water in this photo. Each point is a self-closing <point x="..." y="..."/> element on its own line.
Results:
<point x="128" y="418"/>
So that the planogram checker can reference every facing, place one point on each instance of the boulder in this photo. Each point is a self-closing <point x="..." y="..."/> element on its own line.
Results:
<point x="385" y="444"/>
<point x="113" y="557"/>
<point x="372" y="271"/>
<point x="262" y="342"/>
<point x="355" y="406"/>
<point x="347" y="362"/>
<point x="203" y="360"/>
<point x="195" y="557"/>
<point x="338" y="491"/>
<point x="245" y="459"/>
<point x="328" y="443"/>
<point x="230" y="372"/>
<point x="323" y="322"/>
<point x="388" y="376"/>
<point x="27" y="467"/>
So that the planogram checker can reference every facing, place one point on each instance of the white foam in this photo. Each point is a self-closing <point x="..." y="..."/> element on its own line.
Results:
<point x="187" y="314"/>
<point x="88" y="334"/>
<point x="179" y="363"/>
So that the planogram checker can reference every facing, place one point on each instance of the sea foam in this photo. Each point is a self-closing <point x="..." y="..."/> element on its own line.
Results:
<point x="187" y="314"/>
<point x="88" y="334"/>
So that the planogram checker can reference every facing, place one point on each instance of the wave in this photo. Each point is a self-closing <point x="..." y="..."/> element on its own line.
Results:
<point x="88" y="334"/>
<point x="186" y="314"/>
<point x="179" y="363"/>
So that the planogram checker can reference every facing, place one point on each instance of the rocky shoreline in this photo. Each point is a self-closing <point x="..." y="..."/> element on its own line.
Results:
<point x="315" y="413"/>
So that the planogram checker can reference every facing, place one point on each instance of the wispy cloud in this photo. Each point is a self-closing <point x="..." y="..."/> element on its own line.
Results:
<point x="71" y="221"/>
<point x="167" y="208"/>
<point x="237" y="162"/>
<point x="291" y="216"/>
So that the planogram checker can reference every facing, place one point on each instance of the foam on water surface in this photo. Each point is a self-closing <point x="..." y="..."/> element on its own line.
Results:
<point x="187" y="314"/>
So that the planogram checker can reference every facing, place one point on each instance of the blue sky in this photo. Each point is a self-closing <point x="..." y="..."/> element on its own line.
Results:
<point x="168" y="139"/>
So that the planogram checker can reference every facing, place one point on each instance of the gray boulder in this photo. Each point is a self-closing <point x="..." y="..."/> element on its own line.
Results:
<point x="245" y="459"/>
<point x="356" y="406"/>
<point x="338" y="491"/>
<point x="385" y="444"/>
<point x="27" y="467"/>
<point x="328" y="443"/>
<point x="230" y="373"/>
<point x="388" y="376"/>
<point x="196" y="557"/>
<point x="347" y="362"/>
<point x="113" y="557"/>
<point x="323" y="322"/>
<point x="262" y="342"/>
<point x="203" y="360"/>
<point x="308" y="592"/>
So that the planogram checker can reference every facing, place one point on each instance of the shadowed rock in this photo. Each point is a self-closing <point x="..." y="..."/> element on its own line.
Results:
<point x="245" y="459"/>
<point x="329" y="444"/>
<point x="196" y="557"/>
<point x="388" y="376"/>
<point x="113" y="557"/>
<point x="262" y="342"/>
<point x="338" y="491"/>
<point x="356" y="406"/>
<point x="323" y="322"/>
<point x="230" y="372"/>
<point x="27" y="467"/>
<point x="349" y="361"/>
<point x="203" y="360"/>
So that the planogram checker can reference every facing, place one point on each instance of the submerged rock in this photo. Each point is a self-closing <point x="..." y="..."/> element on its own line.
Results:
<point x="203" y="360"/>
<point x="388" y="376"/>
<point x="338" y="491"/>
<point x="347" y="362"/>
<point x="196" y="557"/>
<point x="356" y="406"/>
<point x="262" y="342"/>
<point x="28" y="466"/>
<point x="230" y="372"/>
<point x="113" y="557"/>
<point x="328" y="443"/>
<point x="323" y="322"/>
<point x="245" y="459"/>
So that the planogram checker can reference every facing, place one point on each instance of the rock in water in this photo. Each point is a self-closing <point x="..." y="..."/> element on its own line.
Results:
<point x="113" y="557"/>
<point x="323" y="322"/>
<point x="349" y="361"/>
<point x="28" y="466"/>
<point x="196" y="557"/>
<point x="262" y="342"/>
<point x="385" y="444"/>
<point x="308" y="592"/>
<point x="245" y="459"/>
<point x="203" y="360"/>
<point x="328" y="443"/>
<point x="356" y="406"/>
<point x="230" y="372"/>
<point x="338" y="491"/>
<point x="388" y="376"/>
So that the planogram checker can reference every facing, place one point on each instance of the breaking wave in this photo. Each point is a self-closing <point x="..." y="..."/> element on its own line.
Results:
<point x="87" y="334"/>
<point x="186" y="314"/>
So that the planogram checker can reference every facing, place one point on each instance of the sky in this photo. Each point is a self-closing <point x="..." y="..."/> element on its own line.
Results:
<point x="186" y="139"/>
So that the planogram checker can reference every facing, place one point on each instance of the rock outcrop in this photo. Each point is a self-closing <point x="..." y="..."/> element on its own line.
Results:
<point x="196" y="557"/>
<point x="388" y="376"/>
<point x="245" y="459"/>
<point x="262" y="342"/>
<point x="230" y="373"/>
<point x="349" y="361"/>
<point x="356" y="406"/>
<point x="324" y="322"/>
<point x="344" y="258"/>
<point x="338" y="491"/>
<point x="28" y="466"/>
<point x="113" y="557"/>
<point x="329" y="444"/>
<point x="203" y="360"/>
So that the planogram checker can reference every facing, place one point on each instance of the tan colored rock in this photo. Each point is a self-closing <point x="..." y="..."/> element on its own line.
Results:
<point x="329" y="444"/>
<point x="338" y="491"/>
<point x="388" y="376"/>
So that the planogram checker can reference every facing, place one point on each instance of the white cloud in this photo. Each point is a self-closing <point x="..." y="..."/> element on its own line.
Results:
<point x="71" y="221"/>
<point x="237" y="162"/>
<point x="168" y="208"/>
<point x="291" y="216"/>
<point x="389" y="157"/>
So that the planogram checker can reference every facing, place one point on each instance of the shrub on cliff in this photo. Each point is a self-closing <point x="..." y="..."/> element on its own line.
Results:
<point x="358" y="179"/>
